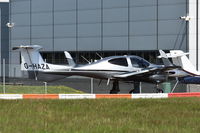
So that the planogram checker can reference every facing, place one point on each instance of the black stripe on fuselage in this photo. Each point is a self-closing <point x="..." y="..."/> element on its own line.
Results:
<point x="100" y="70"/>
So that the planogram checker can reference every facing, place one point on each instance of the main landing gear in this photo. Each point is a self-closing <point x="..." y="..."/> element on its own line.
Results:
<point x="115" y="87"/>
<point x="137" y="88"/>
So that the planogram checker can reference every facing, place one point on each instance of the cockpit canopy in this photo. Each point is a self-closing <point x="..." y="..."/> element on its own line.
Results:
<point x="135" y="61"/>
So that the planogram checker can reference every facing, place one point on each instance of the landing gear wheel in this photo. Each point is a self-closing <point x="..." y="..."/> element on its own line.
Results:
<point x="114" y="91"/>
<point x="133" y="91"/>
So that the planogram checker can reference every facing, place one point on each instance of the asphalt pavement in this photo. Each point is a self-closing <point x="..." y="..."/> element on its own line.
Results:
<point x="84" y="84"/>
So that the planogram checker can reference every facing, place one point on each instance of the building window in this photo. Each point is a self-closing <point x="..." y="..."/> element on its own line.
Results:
<point x="83" y="57"/>
<point x="54" y="57"/>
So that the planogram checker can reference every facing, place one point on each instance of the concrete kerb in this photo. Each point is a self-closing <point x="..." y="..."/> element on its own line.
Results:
<point x="97" y="96"/>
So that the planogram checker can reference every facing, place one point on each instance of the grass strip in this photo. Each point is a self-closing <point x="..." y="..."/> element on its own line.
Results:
<point x="100" y="116"/>
<point x="18" y="89"/>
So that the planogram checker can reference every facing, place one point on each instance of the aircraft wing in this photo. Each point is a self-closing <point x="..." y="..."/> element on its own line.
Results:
<point x="148" y="71"/>
<point x="124" y="75"/>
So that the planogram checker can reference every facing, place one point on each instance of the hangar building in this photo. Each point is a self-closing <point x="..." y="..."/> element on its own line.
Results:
<point x="108" y="27"/>
<point x="4" y="34"/>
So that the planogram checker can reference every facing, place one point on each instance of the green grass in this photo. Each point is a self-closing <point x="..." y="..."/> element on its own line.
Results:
<point x="18" y="89"/>
<point x="174" y="115"/>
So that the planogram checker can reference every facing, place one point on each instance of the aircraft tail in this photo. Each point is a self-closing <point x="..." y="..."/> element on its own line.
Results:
<point x="31" y="59"/>
<point x="179" y="58"/>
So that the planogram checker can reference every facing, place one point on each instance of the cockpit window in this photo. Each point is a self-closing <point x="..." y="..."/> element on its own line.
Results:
<point x="119" y="61"/>
<point x="141" y="63"/>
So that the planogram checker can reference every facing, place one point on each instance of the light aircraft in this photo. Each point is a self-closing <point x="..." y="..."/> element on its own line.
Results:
<point x="125" y="68"/>
<point x="187" y="74"/>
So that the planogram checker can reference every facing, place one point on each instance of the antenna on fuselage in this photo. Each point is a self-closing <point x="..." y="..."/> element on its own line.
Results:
<point x="99" y="55"/>
<point x="86" y="59"/>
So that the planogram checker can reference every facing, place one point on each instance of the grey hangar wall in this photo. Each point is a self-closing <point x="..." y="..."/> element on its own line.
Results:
<point x="97" y="25"/>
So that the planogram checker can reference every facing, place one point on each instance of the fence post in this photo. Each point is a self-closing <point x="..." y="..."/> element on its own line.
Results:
<point x="92" y="85"/>
<point x="45" y="87"/>
<point x="4" y="76"/>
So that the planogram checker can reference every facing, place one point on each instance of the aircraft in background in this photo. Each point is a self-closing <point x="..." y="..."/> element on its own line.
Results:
<point x="188" y="73"/>
<point x="125" y="68"/>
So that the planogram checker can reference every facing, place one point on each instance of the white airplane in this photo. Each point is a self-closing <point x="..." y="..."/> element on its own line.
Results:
<point x="116" y="68"/>
<point x="187" y="74"/>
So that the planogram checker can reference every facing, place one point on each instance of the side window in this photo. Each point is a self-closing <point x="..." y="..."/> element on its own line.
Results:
<point x="119" y="61"/>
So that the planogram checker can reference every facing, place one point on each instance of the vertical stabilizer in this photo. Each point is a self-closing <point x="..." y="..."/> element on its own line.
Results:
<point x="30" y="57"/>
<point x="32" y="61"/>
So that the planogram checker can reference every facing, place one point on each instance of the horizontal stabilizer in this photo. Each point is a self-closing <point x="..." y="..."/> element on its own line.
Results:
<point x="27" y="47"/>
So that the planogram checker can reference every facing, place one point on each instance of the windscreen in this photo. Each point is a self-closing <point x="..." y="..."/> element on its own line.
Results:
<point x="140" y="63"/>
